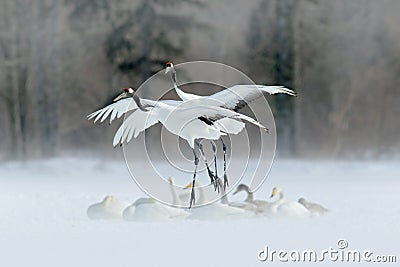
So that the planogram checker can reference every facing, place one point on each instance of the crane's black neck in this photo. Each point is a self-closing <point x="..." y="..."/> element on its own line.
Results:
<point x="138" y="103"/>
<point x="173" y="78"/>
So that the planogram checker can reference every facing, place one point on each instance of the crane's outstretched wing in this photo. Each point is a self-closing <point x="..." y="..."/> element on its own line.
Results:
<point x="136" y="123"/>
<point x="238" y="96"/>
<point x="230" y="126"/>
<point x="119" y="108"/>
<point x="115" y="110"/>
<point x="210" y="114"/>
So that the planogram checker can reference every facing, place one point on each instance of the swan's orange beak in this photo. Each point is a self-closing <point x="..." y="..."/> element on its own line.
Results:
<point x="273" y="192"/>
<point x="190" y="185"/>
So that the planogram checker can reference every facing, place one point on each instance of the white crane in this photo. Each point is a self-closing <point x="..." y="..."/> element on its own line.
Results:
<point x="123" y="104"/>
<point x="190" y="123"/>
<point x="232" y="98"/>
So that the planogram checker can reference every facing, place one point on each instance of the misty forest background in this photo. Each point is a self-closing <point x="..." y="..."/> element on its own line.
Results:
<point x="62" y="59"/>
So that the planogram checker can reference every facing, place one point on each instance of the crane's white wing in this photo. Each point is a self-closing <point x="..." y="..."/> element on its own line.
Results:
<point x="152" y="103"/>
<point x="235" y="115"/>
<point x="187" y="96"/>
<point x="210" y="114"/>
<point x="115" y="110"/>
<point x="230" y="126"/>
<point x="136" y="123"/>
<point x="238" y="96"/>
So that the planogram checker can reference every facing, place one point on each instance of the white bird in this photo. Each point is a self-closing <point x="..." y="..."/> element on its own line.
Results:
<point x="201" y="199"/>
<point x="260" y="205"/>
<point x="216" y="211"/>
<point x="190" y="123"/>
<point x="246" y="206"/>
<point x="176" y="201"/>
<point x="314" y="208"/>
<point x="149" y="210"/>
<point x="109" y="208"/>
<point x="129" y="212"/>
<point x="232" y="98"/>
<point x="124" y="103"/>
<point x="284" y="208"/>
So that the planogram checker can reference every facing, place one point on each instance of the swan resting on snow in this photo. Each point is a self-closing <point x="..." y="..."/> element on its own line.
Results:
<point x="287" y="209"/>
<point x="314" y="208"/>
<point x="217" y="211"/>
<point x="109" y="208"/>
<point x="185" y="197"/>
<point x="147" y="209"/>
<point x="259" y="205"/>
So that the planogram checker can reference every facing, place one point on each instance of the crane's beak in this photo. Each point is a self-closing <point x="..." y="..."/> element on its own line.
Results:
<point x="168" y="69"/>
<point x="121" y="96"/>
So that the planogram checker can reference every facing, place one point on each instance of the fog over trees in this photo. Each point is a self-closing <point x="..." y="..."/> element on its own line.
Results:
<point x="62" y="59"/>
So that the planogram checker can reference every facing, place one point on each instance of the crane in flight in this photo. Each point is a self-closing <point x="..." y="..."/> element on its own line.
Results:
<point x="188" y="122"/>
<point x="233" y="98"/>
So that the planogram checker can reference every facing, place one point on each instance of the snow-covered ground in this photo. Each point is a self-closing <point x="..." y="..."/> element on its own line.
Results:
<point x="43" y="218"/>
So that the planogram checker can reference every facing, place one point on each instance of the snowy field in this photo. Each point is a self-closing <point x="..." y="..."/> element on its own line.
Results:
<point x="43" y="217"/>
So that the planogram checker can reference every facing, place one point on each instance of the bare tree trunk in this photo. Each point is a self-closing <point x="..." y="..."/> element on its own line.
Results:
<point x="39" y="53"/>
<point x="284" y="74"/>
<point x="381" y="142"/>
<point x="53" y="90"/>
<point x="22" y="106"/>
<point x="341" y="119"/>
<point x="15" y="146"/>
<point x="145" y="31"/>
<point x="297" y="81"/>
<point x="14" y="85"/>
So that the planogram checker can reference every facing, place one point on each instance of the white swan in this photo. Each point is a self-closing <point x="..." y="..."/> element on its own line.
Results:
<point x="145" y="209"/>
<point x="109" y="208"/>
<point x="148" y="210"/>
<point x="259" y="205"/>
<point x="286" y="209"/>
<point x="314" y="208"/>
<point x="246" y="206"/>
<point x="185" y="197"/>
<point x="175" y="197"/>
<point x="216" y="211"/>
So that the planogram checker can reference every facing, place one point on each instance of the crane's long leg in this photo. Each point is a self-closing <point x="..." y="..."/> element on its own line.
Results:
<point x="192" y="195"/>
<point x="210" y="173"/>
<point x="217" y="179"/>
<point x="214" y="148"/>
<point x="226" y="183"/>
